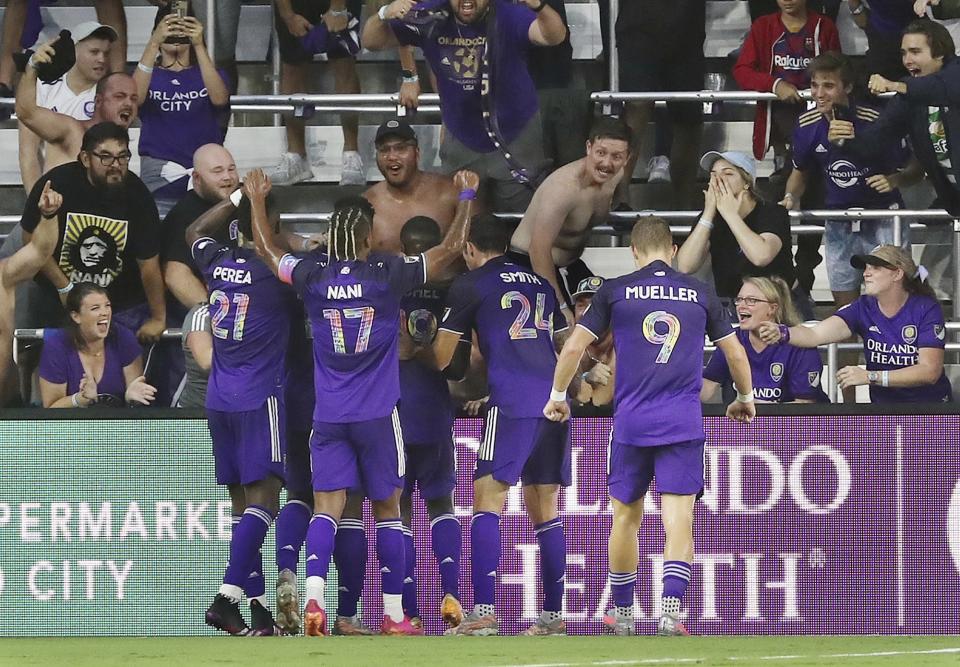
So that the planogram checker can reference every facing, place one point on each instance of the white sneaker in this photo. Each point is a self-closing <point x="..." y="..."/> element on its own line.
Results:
<point x="658" y="169"/>
<point x="291" y="169"/>
<point x="351" y="169"/>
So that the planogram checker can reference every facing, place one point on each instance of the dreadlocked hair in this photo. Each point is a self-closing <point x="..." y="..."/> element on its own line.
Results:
<point x="347" y="225"/>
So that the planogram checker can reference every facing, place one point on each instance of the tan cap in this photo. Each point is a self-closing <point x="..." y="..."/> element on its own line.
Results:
<point x="889" y="256"/>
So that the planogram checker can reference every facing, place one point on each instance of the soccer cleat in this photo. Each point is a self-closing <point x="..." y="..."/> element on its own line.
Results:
<point x="350" y="626"/>
<point x="476" y="626"/>
<point x="292" y="168"/>
<point x="618" y="624"/>
<point x="542" y="628"/>
<point x="658" y="169"/>
<point x="670" y="626"/>
<point x="262" y="621"/>
<point x="314" y="620"/>
<point x="288" y="603"/>
<point x="224" y="614"/>
<point x="451" y="611"/>
<point x="404" y="627"/>
<point x="351" y="169"/>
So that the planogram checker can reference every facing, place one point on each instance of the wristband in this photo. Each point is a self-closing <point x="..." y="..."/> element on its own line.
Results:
<point x="65" y="289"/>
<point x="784" y="333"/>
<point x="144" y="68"/>
<point x="859" y="9"/>
<point x="468" y="194"/>
<point x="411" y="79"/>
<point x="31" y="62"/>
<point x="564" y="306"/>
<point x="885" y="379"/>
<point x="340" y="12"/>
<point x="382" y="12"/>
<point x="706" y="223"/>
<point x="744" y="398"/>
<point x="236" y="197"/>
<point x="558" y="396"/>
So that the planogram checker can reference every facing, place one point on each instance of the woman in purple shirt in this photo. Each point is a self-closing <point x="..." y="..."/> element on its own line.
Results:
<point x="781" y="373"/>
<point x="89" y="361"/>
<point x="182" y="96"/>
<point x="901" y="324"/>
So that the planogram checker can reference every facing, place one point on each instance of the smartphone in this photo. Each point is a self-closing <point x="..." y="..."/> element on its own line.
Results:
<point x="841" y="112"/>
<point x="181" y="8"/>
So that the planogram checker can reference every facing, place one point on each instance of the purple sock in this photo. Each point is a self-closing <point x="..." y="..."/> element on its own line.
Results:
<point x="553" y="562"/>
<point x="622" y="585"/>
<point x="256" y="585"/>
<point x="410" y="607"/>
<point x="485" y="547"/>
<point x="245" y="543"/>
<point x="350" y="556"/>
<point x="676" y="577"/>
<point x="390" y="554"/>
<point x="445" y="537"/>
<point x="291" y="531"/>
<point x="320" y="538"/>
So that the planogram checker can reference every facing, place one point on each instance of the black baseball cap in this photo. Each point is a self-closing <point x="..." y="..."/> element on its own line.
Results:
<point x="395" y="127"/>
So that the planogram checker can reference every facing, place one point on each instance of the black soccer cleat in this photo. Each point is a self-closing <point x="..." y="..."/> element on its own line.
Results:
<point x="224" y="614"/>
<point x="262" y="621"/>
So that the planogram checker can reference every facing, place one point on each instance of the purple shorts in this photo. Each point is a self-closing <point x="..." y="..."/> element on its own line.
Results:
<point x="532" y="449"/>
<point x="367" y="454"/>
<point x="678" y="469"/>
<point x="432" y="468"/>
<point x="298" y="483"/>
<point x="248" y="446"/>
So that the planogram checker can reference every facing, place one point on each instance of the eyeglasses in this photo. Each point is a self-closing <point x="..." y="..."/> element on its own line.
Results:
<point x="107" y="159"/>
<point x="749" y="300"/>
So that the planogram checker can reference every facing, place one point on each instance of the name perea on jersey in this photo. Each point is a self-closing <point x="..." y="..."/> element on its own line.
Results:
<point x="344" y="291"/>
<point x="662" y="292"/>
<point x="231" y="275"/>
<point x="520" y="277"/>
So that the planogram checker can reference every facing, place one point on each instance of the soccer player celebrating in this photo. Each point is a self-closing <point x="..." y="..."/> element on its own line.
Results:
<point x="902" y="327"/>
<point x="781" y="373"/>
<point x="249" y="315"/>
<point x="426" y="416"/>
<point x="658" y="317"/>
<point x="353" y="300"/>
<point x="513" y="311"/>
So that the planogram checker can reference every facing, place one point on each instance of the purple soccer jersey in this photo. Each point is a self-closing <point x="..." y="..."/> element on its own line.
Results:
<point x="354" y="310"/>
<point x="60" y="363"/>
<point x="426" y="410"/>
<point x="659" y="317"/>
<point x="894" y="342"/>
<point x="781" y="373"/>
<point x="250" y="321"/>
<point x="455" y="52"/>
<point x="845" y="172"/>
<point x="513" y="311"/>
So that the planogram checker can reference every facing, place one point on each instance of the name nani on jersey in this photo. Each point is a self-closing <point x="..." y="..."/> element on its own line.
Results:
<point x="664" y="292"/>
<point x="344" y="291"/>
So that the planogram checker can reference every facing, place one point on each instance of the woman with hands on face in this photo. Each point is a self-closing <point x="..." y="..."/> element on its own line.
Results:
<point x="743" y="234"/>
<point x="183" y="94"/>
<point x="91" y="360"/>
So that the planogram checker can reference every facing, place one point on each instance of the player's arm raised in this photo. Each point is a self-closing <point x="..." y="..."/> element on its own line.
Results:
<point x="557" y="409"/>
<point x="831" y="330"/>
<point x="742" y="408"/>
<point x="256" y="187"/>
<point x="210" y="222"/>
<point x="441" y="256"/>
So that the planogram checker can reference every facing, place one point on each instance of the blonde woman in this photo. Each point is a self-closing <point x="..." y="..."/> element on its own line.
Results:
<point x="781" y="373"/>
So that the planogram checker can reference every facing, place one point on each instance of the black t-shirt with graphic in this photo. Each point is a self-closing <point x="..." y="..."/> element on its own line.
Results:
<point x="103" y="231"/>
<point x="174" y="246"/>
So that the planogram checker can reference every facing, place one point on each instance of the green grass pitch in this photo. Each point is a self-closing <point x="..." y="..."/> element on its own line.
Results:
<point x="482" y="652"/>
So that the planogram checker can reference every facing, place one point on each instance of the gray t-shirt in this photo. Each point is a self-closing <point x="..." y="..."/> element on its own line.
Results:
<point x="194" y="392"/>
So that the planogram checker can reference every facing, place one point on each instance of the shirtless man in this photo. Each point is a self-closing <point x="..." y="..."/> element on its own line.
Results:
<point x="23" y="265"/>
<point x="407" y="191"/>
<point x="555" y="229"/>
<point x="116" y="101"/>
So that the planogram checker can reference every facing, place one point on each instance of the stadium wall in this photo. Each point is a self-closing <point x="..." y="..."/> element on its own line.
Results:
<point x="828" y="522"/>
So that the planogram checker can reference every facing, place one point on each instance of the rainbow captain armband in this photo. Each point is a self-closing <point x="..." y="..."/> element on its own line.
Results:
<point x="468" y="194"/>
<point x="784" y="333"/>
<point x="285" y="269"/>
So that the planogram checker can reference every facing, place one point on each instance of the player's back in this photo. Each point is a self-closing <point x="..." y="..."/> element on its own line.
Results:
<point x="250" y="322"/>
<point x="659" y="318"/>
<point x="354" y="309"/>
<point x="513" y="311"/>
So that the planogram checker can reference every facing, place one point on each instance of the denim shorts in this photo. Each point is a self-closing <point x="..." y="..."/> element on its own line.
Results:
<point x="842" y="243"/>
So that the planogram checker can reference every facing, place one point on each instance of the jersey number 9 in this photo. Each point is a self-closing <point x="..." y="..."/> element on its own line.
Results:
<point x="666" y="340"/>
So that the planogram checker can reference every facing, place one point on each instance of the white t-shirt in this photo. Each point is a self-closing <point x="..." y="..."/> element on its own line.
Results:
<point x="57" y="96"/>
